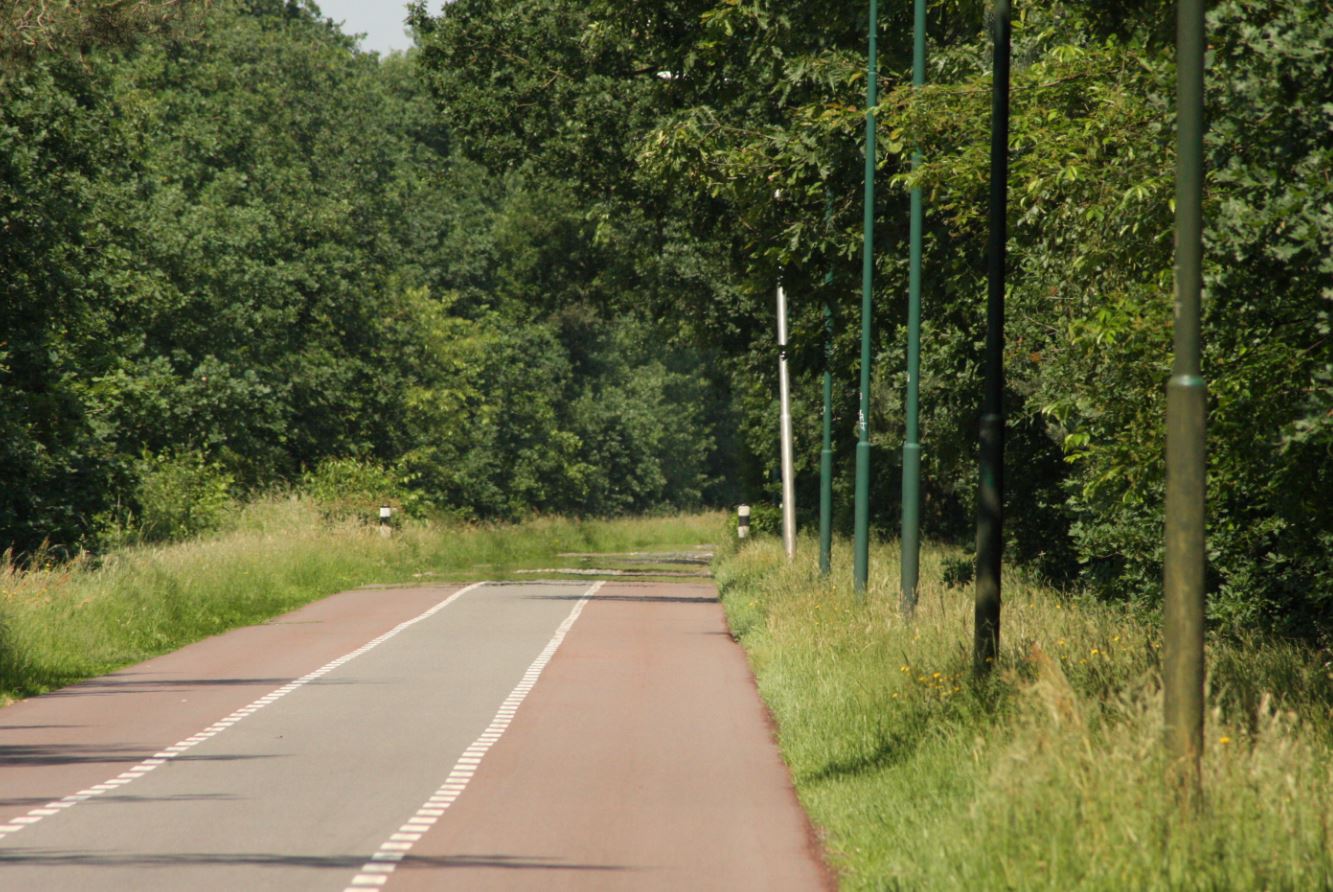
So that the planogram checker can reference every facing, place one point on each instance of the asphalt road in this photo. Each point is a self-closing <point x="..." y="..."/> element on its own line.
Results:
<point x="537" y="735"/>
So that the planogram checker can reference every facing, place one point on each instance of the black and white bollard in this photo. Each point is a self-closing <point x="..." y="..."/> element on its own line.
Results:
<point x="385" y="514"/>
<point x="743" y="522"/>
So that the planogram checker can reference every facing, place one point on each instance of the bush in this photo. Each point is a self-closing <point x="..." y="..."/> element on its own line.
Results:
<point x="346" y="488"/>
<point x="180" y="495"/>
<point x="765" y="520"/>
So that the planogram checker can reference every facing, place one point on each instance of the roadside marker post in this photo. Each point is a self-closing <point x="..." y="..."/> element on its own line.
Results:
<point x="784" y="423"/>
<point x="385" y="514"/>
<point x="743" y="522"/>
<point x="787" y="461"/>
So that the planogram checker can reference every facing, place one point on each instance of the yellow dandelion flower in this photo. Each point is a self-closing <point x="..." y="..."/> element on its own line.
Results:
<point x="1224" y="740"/>
<point x="1095" y="651"/>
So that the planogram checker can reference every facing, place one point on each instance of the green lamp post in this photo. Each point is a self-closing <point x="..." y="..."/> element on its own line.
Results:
<point x="1185" y="561"/>
<point x="861" y="544"/>
<point x="911" y="535"/>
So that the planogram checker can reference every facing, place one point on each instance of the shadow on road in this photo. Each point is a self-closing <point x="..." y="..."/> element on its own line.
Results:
<point x="79" y="754"/>
<point x="646" y="599"/>
<point x="123" y="797"/>
<point x="507" y="862"/>
<point x="54" y="858"/>
<point x="128" y="683"/>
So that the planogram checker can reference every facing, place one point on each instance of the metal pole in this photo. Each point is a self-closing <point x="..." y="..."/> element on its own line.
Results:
<point x="1185" y="421"/>
<point x="861" y="547"/>
<point x="784" y="395"/>
<point x="911" y="537"/>
<point x="826" y="453"/>
<point x="990" y="515"/>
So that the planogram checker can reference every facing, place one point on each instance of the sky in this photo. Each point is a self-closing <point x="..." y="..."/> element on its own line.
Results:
<point x="380" y="20"/>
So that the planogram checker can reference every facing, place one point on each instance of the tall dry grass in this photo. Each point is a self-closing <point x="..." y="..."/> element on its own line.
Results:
<point x="1051" y="774"/>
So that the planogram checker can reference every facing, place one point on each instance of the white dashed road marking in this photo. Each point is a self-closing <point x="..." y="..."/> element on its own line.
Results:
<point x="147" y="765"/>
<point x="375" y="872"/>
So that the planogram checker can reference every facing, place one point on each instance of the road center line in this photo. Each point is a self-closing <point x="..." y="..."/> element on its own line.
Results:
<point x="120" y="781"/>
<point x="399" y="843"/>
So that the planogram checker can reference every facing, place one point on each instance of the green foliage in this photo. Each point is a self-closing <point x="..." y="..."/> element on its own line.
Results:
<point x="348" y="488"/>
<point x="508" y="453"/>
<point x="1093" y="242"/>
<point x="33" y="28"/>
<point x="756" y="97"/>
<point x="180" y="496"/>
<point x="765" y="520"/>
<point x="1270" y="237"/>
<point x="238" y="238"/>
<point x="530" y="266"/>
<point x="644" y="427"/>
<point x="624" y="419"/>
<point x="60" y="467"/>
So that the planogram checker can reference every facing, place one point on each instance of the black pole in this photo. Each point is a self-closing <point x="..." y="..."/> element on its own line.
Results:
<point x="990" y="498"/>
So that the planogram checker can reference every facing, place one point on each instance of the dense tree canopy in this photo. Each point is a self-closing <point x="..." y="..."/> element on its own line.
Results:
<point x="717" y="104"/>
<point x="235" y="244"/>
<point x="530" y="266"/>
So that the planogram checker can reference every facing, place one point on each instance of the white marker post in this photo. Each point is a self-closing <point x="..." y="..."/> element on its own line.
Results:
<point x="784" y="425"/>
<point x="385" y="514"/>
<point x="743" y="522"/>
<point x="784" y="396"/>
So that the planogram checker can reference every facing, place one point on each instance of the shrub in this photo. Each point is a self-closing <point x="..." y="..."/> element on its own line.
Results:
<point x="765" y="520"/>
<point x="346" y="488"/>
<point x="180" y="495"/>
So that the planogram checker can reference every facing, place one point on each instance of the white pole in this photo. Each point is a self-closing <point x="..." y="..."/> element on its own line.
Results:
<point x="784" y="393"/>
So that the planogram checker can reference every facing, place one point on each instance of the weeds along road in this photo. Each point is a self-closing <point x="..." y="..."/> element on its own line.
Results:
<point x="543" y="735"/>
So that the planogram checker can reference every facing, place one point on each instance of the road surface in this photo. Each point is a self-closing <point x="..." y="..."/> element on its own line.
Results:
<point x="535" y="735"/>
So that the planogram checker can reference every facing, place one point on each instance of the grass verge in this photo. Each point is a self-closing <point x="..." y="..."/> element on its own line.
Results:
<point x="65" y="622"/>
<point x="1048" y="776"/>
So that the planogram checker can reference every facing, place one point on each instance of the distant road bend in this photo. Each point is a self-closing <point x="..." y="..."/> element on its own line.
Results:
<point x="534" y="735"/>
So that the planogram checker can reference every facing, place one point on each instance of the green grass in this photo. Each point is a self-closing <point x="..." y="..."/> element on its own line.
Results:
<point x="60" y="623"/>
<point x="1051" y="775"/>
